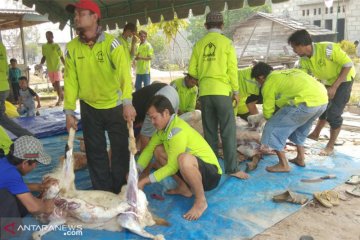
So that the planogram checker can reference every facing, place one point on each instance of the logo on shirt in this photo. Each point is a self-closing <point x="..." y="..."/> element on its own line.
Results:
<point x="209" y="52"/>
<point x="100" y="56"/>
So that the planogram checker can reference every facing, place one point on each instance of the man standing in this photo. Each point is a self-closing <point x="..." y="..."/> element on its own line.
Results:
<point x="51" y="54"/>
<point x="97" y="72"/>
<point x="181" y="152"/>
<point x="5" y="121"/>
<point x="329" y="63"/>
<point x="129" y="31"/>
<point x="188" y="91"/>
<point x="300" y="99"/>
<point x="214" y="64"/>
<point x="143" y="57"/>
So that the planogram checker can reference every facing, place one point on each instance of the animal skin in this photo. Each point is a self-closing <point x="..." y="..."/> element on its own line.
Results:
<point x="96" y="209"/>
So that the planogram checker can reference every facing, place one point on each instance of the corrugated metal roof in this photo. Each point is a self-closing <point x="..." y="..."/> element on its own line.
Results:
<point x="117" y="12"/>
<point x="14" y="18"/>
<point x="293" y="24"/>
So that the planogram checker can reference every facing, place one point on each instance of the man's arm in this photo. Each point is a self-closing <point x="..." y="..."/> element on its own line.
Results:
<point x="35" y="205"/>
<point x="43" y="59"/>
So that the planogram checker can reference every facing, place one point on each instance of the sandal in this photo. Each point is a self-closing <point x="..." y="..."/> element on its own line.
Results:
<point x="355" y="192"/>
<point x="290" y="197"/>
<point x="353" y="180"/>
<point x="327" y="198"/>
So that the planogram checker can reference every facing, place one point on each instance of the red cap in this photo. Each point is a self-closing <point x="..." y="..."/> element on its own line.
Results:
<point x="84" y="4"/>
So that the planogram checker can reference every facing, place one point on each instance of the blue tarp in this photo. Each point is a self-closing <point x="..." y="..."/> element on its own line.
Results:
<point x="51" y="122"/>
<point x="237" y="209"/>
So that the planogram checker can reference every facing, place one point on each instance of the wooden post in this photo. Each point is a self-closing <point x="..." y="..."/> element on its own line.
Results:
<point x="269" y="43"/>
<point x="247" y="43"/>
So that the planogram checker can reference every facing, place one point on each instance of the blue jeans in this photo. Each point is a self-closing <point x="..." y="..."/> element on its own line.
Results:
<point x="142" y="78"/>
<point x="290" y="122"/>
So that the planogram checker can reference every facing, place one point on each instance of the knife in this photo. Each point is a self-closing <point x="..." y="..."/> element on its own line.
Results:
<point x="319" y="179"/>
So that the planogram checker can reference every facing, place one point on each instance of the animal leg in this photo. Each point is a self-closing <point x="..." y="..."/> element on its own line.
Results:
<point x="51" y="226"/>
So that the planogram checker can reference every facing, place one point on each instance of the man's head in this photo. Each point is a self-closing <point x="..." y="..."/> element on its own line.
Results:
<point x="23" y="82"/>
<point x="142" y="36"/>
<point x="356" y="43"/>
<point x="214" y="19"/>
<point x="301" y="43"/>
<point x="13" y="62"/>
<point x="49" y="36"/>
<point x="190" y="81"/>
<point x="160" y="111"/>
<point x="260" y="71"/>
<point x="130" y="30"/>
<point x="87" y="14"/>
<point x="26" y="152"/>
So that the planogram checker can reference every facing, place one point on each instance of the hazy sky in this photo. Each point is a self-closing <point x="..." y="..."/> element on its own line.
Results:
<point x="59" y="36"/>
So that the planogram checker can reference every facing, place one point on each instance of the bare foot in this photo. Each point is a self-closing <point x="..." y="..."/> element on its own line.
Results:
<point x="240" y="175"/>
<point x="58" y="103"/>
<point x="181" y="190"/>
<point x="278" y="168"/>
<point x="297" y="161"/>
<point x="196" y="211"/>
<point x="326" y="151"/>
<point x="313" y="137"/>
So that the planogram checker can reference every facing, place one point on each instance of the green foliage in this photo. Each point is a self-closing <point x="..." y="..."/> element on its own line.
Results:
<point x="197" y="30"/>
<point x="348" y="47"/>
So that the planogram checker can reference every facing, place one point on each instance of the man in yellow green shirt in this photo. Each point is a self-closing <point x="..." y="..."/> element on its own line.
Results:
<point x="97" y="72"/>
<point x="52" y="54"/>
<point x="188" y="91"/>
<point x="129" y="31"/>
<point x="249" y="92"/>
<point x="330" y="64"/>
<point x="5" y="121"/>
<point x="300" y="98"/>
<point x="213" y="62"/>
<point x="143" y="58"/>
<point x="180" y="151"/>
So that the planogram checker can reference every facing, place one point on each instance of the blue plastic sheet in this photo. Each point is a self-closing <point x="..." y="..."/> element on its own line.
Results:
<point x="237" y="209"/>
<point x="50" y="123"/>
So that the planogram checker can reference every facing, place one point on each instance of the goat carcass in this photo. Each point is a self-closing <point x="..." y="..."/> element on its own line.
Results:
<point x="96" y="209"/>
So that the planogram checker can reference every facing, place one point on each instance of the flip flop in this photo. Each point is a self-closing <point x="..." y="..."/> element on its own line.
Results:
<point x="355" y="192"/>
<point x="339" y="142"/>
<point x="290" y="197"/>
<point x="323" y="198"/>
<point x="353" y="180"/>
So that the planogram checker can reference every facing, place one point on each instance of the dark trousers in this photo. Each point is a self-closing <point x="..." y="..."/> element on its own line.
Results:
<point x="10" y="205"/>
<point x="6" y="122"/>
<point x="15" y="89"/>
<point x="218" y="111"/>
<point x="105" y="174"/>
<point x="336" y="106"/>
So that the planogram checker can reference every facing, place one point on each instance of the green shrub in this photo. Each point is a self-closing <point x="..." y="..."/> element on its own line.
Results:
<point x="348" y="47"/>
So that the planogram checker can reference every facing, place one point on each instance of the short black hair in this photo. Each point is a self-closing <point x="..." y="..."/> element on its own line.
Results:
<point x="13" y="60"/>
<point x="49" y="32"/>
<point x="210" y="25"/>
<point x="161" y="103"/>
<point x="23" y="78"/>
<point x="300" y="38"/>
<point x="261" y="69"/>
<point x="130" y="26"/>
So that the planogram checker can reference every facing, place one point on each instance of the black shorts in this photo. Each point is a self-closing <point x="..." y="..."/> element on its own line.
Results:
<point x="209" y="174"/>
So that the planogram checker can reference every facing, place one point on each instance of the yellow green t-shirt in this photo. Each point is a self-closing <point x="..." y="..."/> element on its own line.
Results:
<point x="187" y="96"/>
<point x="178" y="137"/>
<point x="326" y="62"/>
<point x="144" y="50"/>
<point x="4" y="69"/>
<point x="291" y="87"/>
<point x="5" y="141"/>
<point x="213" y="62"/>
<point x="52" y="53"/>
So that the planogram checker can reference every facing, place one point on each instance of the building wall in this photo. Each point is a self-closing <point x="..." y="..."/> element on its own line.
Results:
<point x="315" y="12"/>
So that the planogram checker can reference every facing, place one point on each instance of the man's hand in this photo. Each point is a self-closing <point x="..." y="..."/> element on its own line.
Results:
<point x="38" y="106"/>
<point x="129" y="113"/>
<point x="235" y="98"/>
<point x="71" y="122"/>
<point x="47" y="182"/>
<point x="331" y="92"/>
<point x="142" y="182"/>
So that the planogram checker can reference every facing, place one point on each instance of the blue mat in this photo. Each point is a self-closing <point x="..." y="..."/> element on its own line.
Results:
<point x="237" y="209"/>
<point x="51" y="122"/>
